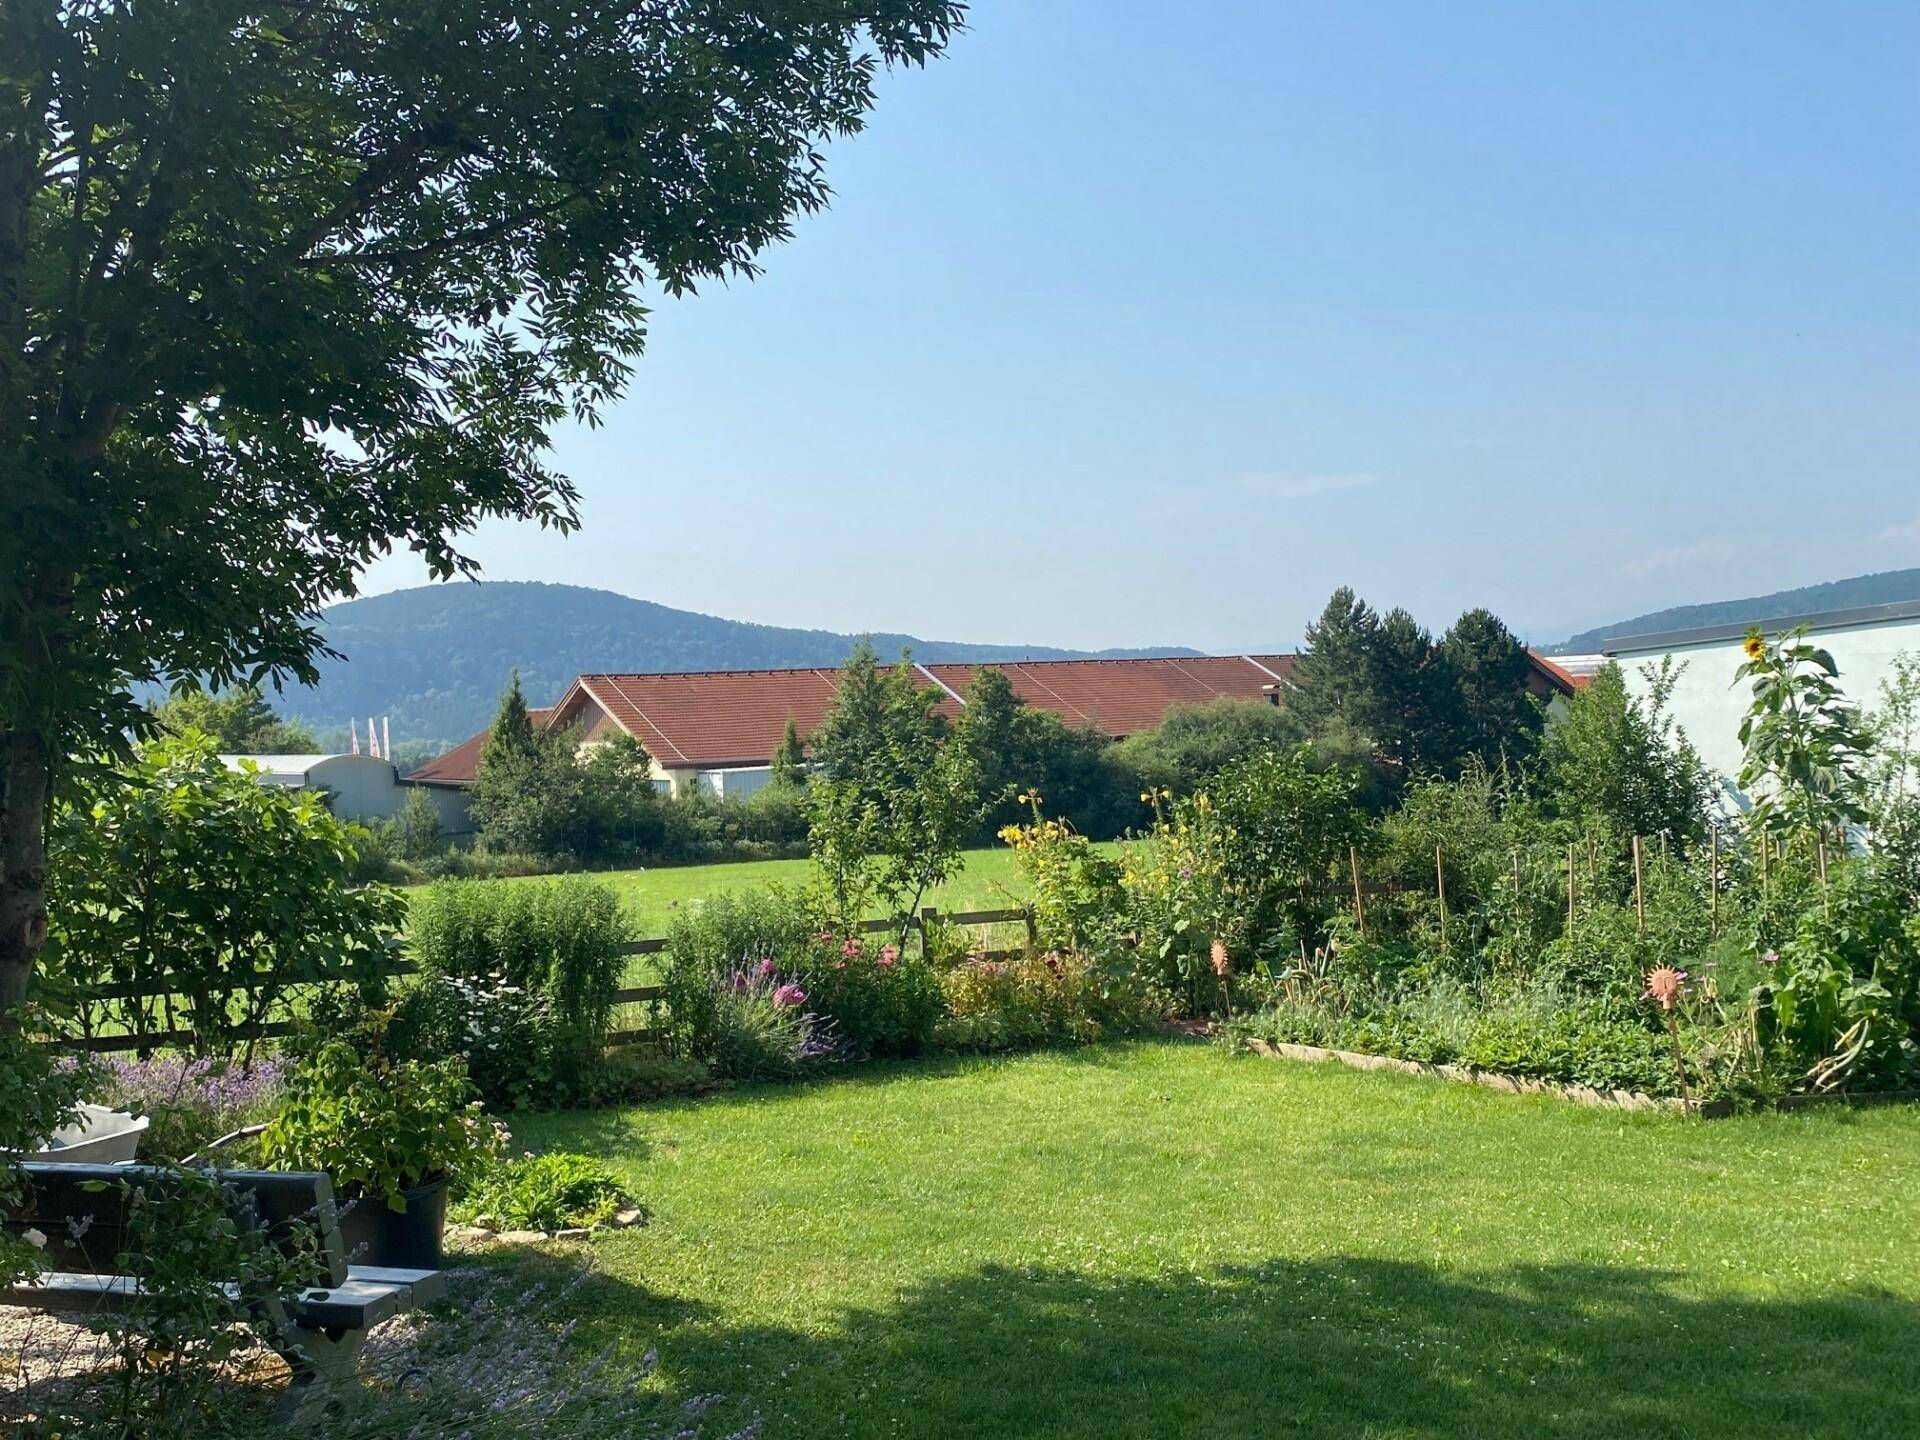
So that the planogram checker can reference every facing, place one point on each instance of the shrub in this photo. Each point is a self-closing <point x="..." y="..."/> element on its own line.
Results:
<point x="177" y="875"/>
<point x="561" y="939"/>
<point x="38" y="1094"/>
<point x="760" y="1026"/>
<point x="709" y="942"/>
<point x="1041" y="999"/>
<point x="379" y="1129"/>
<point x="878" y="999"/>
<point x="555" y="1191"/>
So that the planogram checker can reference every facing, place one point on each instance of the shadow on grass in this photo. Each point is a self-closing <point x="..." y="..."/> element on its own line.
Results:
<point x="1342" y="1346"/>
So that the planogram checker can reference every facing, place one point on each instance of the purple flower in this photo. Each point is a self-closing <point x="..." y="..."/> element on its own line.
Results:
<point x="1772" y="957"/>
<point x="789" y="995"/>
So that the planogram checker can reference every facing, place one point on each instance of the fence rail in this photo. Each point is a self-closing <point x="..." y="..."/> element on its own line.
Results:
<point x="396" y="965"/>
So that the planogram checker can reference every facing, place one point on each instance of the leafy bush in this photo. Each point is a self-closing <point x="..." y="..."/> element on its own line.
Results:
<point x="379" y="1129"/>
<point x="1042" y="999"/>
<point x="1843" y="994"/>
<point x="561" y="939"/>
<point x="877" y="999"/>
<point x="709" y="942"/>
<point x="556" y="1191"/>
<point x="177" y="875"/>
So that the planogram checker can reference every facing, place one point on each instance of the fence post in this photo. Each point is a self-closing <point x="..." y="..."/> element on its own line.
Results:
<point x="1440" y="888"/>
<point x="1359" y="905"/>
<point x="928" y="914"/>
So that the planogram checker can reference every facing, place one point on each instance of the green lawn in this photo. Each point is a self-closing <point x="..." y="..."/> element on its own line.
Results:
<point x="1165" y="1240"/>
<point x="989" y="881"/>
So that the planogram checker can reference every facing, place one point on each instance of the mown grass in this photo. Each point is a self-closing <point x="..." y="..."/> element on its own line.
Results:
<point x="1161" y="1239"/>
<point x="988" y="880"/>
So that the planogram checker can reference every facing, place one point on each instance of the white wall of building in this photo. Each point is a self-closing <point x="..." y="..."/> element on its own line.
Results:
<point x="1709" y="706"/>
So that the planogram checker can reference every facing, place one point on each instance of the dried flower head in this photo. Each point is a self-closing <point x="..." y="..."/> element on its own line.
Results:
<point x="1664" y="984"/>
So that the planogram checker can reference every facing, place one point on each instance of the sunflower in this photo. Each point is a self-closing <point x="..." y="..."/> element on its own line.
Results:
<point x="1755" y="646"/>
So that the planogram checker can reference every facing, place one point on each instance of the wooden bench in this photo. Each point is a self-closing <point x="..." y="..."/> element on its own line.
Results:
<point x="81" y="1210"/>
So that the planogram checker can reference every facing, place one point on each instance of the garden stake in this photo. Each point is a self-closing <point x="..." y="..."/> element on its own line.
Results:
<point x="1569" y="889"/>
<point x="1359" y="905"/>
<point x="1639" y="889"/>
<point x="1593" y="863"/>
<point x="1440" y="886"/>
<point x="1713" y="880"/>
<point x="1826" y="900"/>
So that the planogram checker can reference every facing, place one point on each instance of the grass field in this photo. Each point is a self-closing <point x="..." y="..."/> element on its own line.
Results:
<point x="1164" y="1240"/>
<point x="989" y="881"/>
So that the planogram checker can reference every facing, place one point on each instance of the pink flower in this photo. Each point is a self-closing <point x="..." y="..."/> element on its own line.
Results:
<point x="851" y="949"/>
<point x="789" y="994"/>
<point x="1772" y="957"/>
<point x="888" y="954"/>
<point x="767" y="967"/>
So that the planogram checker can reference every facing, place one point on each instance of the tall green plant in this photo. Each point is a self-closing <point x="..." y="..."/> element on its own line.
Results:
<point x="1805" y="748"/>
<point x="207" y="889"/>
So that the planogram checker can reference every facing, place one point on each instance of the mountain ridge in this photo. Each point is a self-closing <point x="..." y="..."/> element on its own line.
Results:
<point x="1886" y="587"/>
<point x="434" y="658"/>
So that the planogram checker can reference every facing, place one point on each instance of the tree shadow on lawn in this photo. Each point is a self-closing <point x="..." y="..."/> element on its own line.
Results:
<point x="1342" y="1346"/>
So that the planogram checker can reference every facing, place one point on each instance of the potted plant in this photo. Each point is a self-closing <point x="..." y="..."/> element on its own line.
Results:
<point x="392" y="1135"/>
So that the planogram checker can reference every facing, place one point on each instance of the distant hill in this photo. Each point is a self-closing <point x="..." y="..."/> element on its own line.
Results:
<point x="434" y="659"/>
<point x="1887" y="588"/>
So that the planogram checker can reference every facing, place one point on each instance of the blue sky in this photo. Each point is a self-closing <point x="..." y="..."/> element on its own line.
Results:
<point x="1140" y="324"/>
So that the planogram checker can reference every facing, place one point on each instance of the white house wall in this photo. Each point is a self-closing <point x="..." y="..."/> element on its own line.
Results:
<point x="1708" y="705"/>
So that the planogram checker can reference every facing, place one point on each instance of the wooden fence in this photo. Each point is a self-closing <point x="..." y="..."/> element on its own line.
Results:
<point x="649" y="995"/>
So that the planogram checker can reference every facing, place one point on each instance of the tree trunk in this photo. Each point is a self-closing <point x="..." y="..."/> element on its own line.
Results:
<point x="23" y="861"/>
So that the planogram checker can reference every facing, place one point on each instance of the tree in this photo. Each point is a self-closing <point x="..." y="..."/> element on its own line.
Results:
<point x="1497" y="717"/>
<point x="1333" y="678"/>
<point x="285" y="286"/>
<point x="1018" y="750"/>
<point x="526" y="787"/>
<point x="789" y="763"/>
<point x="893" y="798"/>
<point x="1621" y="768"/>
<point x="545" y="793"/>
<point x="205" y="889"/>
<point x="1194" y="741"/>
<point x="239" y="720"/>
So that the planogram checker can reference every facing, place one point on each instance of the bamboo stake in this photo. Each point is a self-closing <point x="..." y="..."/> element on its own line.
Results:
<point x="1639" y="888"/>
<point x="1359" y="904"/>
<point x="1713" y="879"/>
<point x="1826" y="898"/>
<point x="1570" y="888"/>
<point x="1593" y="863"/>
<point x="1440" y="886"/>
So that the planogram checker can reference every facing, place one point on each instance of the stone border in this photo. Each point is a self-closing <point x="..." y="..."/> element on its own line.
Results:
<point x="625" y="1219"/>
<point x="1490" y="1079"/>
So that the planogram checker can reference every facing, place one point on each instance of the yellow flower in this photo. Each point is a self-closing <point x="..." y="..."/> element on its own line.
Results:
<point x="1755" y="646"/>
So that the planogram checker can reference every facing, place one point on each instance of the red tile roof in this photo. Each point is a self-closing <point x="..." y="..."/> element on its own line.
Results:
<point x="718" y="718"/>
<point x="458" y="765"/>
<point x="1123" y="697"/>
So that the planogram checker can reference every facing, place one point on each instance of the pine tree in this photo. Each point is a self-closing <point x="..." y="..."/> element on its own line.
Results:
<point x="789" y="763"/>
<point x="1333" y="679"/>
<point x="1496" y="717"/>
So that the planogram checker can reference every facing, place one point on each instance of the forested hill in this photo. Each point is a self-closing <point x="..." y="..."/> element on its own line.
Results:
<point x="434" y="659"/>
<point x="1886" y="588"/>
